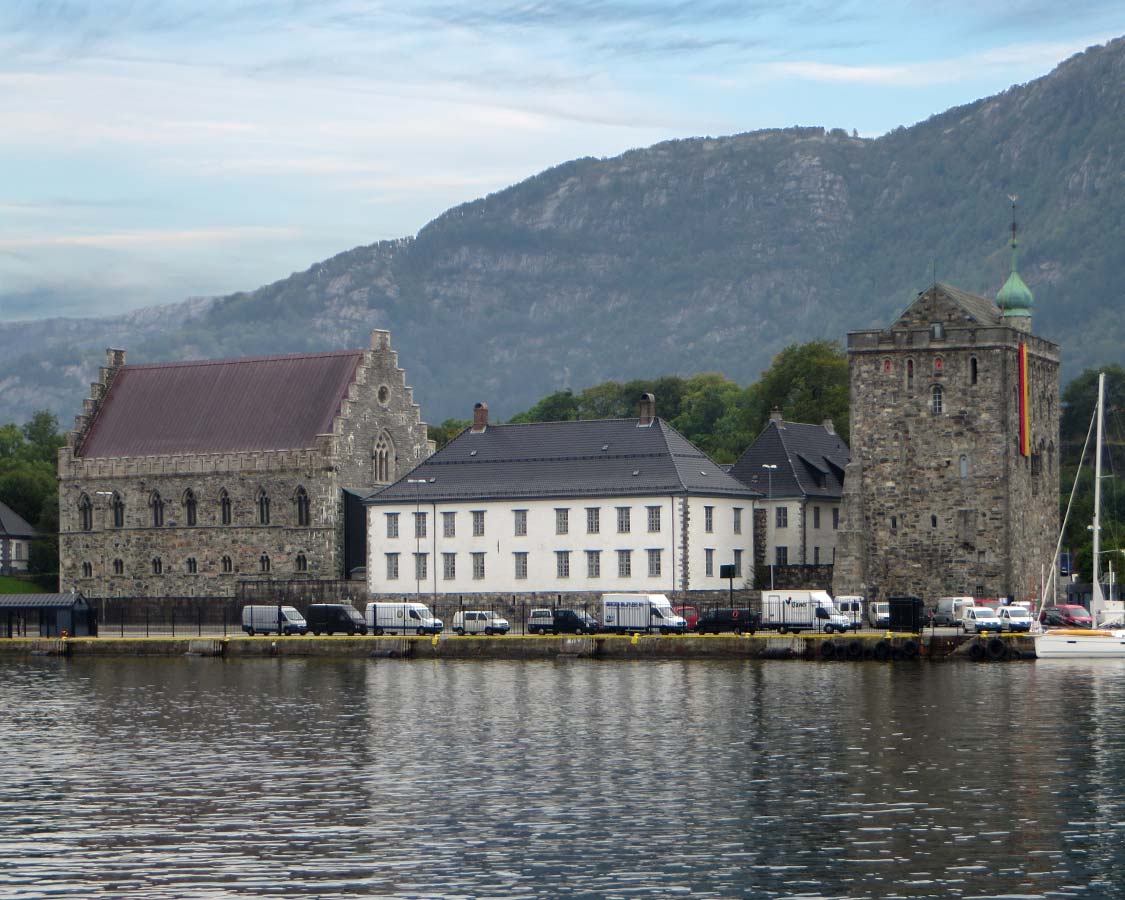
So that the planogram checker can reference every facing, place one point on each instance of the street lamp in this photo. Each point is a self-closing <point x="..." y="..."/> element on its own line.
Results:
<point x="769" y="467"/>
<point x="418" y="482"/>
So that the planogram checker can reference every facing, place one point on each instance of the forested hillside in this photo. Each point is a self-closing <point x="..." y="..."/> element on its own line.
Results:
<point x="703" y="255"/>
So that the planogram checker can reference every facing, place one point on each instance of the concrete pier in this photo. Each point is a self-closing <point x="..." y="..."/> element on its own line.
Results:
<point x="859" y="647"/>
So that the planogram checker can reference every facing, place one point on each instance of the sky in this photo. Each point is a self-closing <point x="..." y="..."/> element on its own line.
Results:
<point x="155" y="150"/>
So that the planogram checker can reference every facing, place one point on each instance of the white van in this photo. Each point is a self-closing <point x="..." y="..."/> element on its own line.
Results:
<point x="951" y="610"/>
<point x="274" y="619"/>
<point x="479" y="621"/>
<point x="852" y="607"/>
<point x="879" y="614"/>
<point x="401" y="618"/>
<point x="801" y="610"/>
<point x="981" y="618"/>
<point x="640" y="612"/>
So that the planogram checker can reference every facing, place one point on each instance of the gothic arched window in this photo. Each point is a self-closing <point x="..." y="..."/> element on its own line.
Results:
<point x="264" y="563"/>
<point x="910" y="374"/>
<point x="189" y="507"/>
<point x="157" y="566"/>
<point x="156" y="502"/>
<point x="301" y="502"/>
<point x="85" y="513"/>
<point x="383" y="459"/>
<point x="972" y="370"/>
<point x="227" y="565"/>
<point x="119" y="567"/>
<point x="302" y="563"/>
<point x="224" y="507"/>
<point x="263" y="507"/>
<point x="936" y="400"/>
<point x="118" y="504"/>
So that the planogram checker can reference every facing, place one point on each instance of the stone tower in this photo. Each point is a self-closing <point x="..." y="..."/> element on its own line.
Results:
<point x="953" y="484"/>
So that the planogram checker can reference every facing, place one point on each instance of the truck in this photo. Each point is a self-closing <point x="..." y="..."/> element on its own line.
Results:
<point x="401" y="618"/>
<point x="634" y="613"/>
<point x="800" y="610"/>
<point x="879" y="614"/>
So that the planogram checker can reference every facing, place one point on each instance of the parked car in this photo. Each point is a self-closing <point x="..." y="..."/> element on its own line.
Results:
<point x="690" y="614"/>
<point x="479" y="621"/>
<point x="333" y="617"/>
<point x="1067" y="615"/>
<point x="977" y="619"/>
<point x="1014" y="618"/>
<point x="716" y="621"/>
<point x="561" y="621"/>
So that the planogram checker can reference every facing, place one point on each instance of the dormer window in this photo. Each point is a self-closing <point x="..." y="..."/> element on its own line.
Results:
<point x="937" y="332"/>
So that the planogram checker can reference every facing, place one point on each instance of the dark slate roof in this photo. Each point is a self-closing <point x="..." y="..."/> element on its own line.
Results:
<point x="41" y="601"/>
<point x="13" y="525"/>
<point x="978" y="309"/>
<point x="221" y="406"/>
<point x="595" y="458"/>
<point x="810" y="461"/>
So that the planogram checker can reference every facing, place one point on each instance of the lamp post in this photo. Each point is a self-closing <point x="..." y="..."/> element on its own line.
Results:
<point x="769" y="467"/>
<point x="417" y="482"/>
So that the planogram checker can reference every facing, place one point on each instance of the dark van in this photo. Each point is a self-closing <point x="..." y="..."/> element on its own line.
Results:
<point x="333" y="617"/>
<point x="716" y="621"/>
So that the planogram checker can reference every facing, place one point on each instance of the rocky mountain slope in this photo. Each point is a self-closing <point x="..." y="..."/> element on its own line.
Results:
<point x="708" y="254"/>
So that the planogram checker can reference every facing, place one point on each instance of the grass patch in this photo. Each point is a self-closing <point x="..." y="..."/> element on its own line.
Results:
<point x="10" y="585"/>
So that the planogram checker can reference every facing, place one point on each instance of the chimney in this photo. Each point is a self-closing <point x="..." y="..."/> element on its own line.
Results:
<point x="480" y="418"/>
<point x="775" y="415"/>
<point x="646" y="409"/>
<point x="829" y="427"/>
<point x="114" y="358"/>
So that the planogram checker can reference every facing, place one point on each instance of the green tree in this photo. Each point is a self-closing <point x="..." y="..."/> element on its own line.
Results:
<point x="561" y="406"/>
<point x="807" y="382"/>
<point x="445" y="432"/>
<point x="703" y="418"/>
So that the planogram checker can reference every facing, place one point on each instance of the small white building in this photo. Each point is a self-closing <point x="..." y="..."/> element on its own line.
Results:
<point x="15" y="541"/>
<point x="799" y="471"/>
<point x="561" y="507"/>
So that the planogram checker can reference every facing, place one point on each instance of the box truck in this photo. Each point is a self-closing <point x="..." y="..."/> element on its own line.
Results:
<point x="401" y="618"/>
<point x="632" y="613"/>
<point x="796" y="611"/>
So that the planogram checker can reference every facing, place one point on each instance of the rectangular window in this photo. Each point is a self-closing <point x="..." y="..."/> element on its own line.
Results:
<point x="624" y="563"/>
<point x="653" y="519"/>
<point x="478" y="566"/>
<point x="449" y="524"/>
<point x="623" y="520"/>
<point x="562" y="521"/>
<point x="653" y="563"/>
<point x="520" y="522"/>
<point x="449" y="566"/>
<point x="835" y="518"/>
<point x="593" y="563"/>
<point x="709" y="519"/>
<point x="816" y="556"/>
<point x="420" y="566"/>
<point x="737" y="520"/>
<point x="737" y="563"/>
<point x="478" y="523"/>
<point x="816" y="517"/>
<point x="782" y="514"/>
<point x="419" y="524"/>
<point x="562" y="563"/>
<point x="781" y="556"/>
<point x="521" y="565"/>
<point x="593" y="519"/>
<point x="709" y="562"/>
<point x="392" y="567"/>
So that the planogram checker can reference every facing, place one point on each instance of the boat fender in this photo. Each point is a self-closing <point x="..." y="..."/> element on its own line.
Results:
<point x="976" y="651"/>
<point x="997" y="649"/>
<point x="883" y="651"/>
<point x="910" y="649"/>
<point x="855" y="649"/>
<point x="827" y="650"/>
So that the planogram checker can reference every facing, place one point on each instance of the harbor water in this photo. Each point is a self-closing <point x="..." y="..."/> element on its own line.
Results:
<point x="208" y="778"/>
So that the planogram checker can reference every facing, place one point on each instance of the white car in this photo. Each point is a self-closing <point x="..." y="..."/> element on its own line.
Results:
<point x="479" y="621"/>
<point x="980" y="618"/>
<point x="1014" y="618"/>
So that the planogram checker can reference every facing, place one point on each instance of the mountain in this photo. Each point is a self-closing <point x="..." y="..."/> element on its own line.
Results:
<point x="708" y="254"/>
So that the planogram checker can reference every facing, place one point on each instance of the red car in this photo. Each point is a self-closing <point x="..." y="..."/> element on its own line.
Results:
<point x="690" y="614"/>
<point x="1068" y="615"/>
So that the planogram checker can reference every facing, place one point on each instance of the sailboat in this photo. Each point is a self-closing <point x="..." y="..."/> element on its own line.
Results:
<point x="1107" y="637"/>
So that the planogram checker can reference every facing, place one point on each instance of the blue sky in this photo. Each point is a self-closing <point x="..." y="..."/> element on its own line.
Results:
<point x="153" y="150"/>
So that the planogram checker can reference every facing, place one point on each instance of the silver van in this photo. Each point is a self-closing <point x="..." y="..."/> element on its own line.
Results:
<point x="273" y="619"/>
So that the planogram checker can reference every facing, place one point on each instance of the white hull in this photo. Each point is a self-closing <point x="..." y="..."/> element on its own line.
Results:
<point x="1071" y="645"/>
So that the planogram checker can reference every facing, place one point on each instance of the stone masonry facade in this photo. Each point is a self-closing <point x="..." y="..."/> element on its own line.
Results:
<point x="938" y="500"/>
<point x="140" y="559"/>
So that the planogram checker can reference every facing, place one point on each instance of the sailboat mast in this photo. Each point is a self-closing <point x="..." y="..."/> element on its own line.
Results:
<point x="1097" y="601"/>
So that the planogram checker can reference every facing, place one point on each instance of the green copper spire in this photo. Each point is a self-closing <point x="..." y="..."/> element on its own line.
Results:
<point x="1015" y="297"/>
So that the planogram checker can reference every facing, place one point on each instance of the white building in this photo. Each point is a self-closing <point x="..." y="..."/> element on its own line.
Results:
<point x="15" y="541"/>
<point x="799" y="471"/>
<point x="561" y="507"/>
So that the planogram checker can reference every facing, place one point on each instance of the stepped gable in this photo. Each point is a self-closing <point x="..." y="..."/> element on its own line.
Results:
<point x="593" y="458"/>
<point x="810" y="461"/>
<point x="220" y="406"/>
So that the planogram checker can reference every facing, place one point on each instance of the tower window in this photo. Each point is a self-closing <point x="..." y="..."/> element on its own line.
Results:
<point x="119" y="567"/>
<point x="264" y="563"/>
<point x="937" y="332"/>
<point x="887" y="366"/>
<point x="910" y="374"/>
<point x="189" y="507"/>
<point x="118" y="511"/>
<point x="85" y="513"/>
<point x="936" y="400"/>
<point x="224" y="507"/>
<point x="972" y="370"/>
<point x="263" y="509"/>
<point x="964" y="465"/>
<point x="227" y="565"/>
<point x="192" y="566"/>
<point x="933" y="521"/>
<point x="302" y="563"/>
<point x="939" y="365"/>
<point x="301" y="501"/>
<point x="157" y="566"/>
<point x="87" y="570"/>
<point x="157" y="505"/>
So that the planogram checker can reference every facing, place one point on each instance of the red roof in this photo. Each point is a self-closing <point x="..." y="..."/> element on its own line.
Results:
<point x="221" y="406"/>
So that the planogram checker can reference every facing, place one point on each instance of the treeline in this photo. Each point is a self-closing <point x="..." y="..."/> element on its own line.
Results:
<point x="28" y="483"/>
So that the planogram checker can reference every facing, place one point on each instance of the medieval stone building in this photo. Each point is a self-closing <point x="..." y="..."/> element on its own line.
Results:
<point x="182" y="478"/>
<point x="953" y="484"/>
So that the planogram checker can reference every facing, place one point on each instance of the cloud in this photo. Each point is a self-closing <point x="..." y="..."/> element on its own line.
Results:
<point x="151" y="236"/>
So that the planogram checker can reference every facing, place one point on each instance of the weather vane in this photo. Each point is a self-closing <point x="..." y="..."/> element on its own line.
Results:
<point x="1013" y="198"/>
